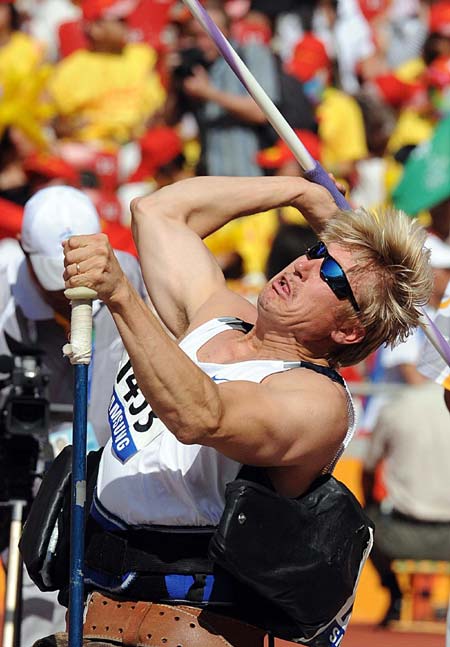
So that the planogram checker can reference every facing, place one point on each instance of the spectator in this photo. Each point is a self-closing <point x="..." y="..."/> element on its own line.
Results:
<point x="431" y="363"/>
<point x="20" y="54"/>
<point x="419" y="95"/>
<point x="370" y="187"/>
<point x="341" y="125"/>
<point x="348" y="37"/>
<point x="14" y="182"/>
<point x="106" y="94"/>
<point x="37" y="314"/>
<point x="409" y="107"/>
<point x="23" y="110"/>
<point x="230" y="122"/>
<point x="22" y="77"/>
<point x="291" y="25"/>
<point x="279" y="159"/>
<point x="400" y="28"/>
<point x="437" y="79"/>
<point x="411" y="437"/>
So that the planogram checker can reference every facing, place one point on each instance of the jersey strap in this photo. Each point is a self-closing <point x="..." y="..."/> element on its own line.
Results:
<point x="323" y="370"/>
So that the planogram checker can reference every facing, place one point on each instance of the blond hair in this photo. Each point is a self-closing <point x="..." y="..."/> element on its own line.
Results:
<point x="389" y="250"/>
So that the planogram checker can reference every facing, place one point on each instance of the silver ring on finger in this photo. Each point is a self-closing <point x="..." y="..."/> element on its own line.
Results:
<point x="78" y="268"/>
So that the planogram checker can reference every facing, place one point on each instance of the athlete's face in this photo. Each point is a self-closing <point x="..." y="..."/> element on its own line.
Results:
<point x="299" y="300"/>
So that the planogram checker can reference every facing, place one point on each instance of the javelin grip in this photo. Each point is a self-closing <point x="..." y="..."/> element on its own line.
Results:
<point x="80" y="348"/>
<point x="320" y="176"/>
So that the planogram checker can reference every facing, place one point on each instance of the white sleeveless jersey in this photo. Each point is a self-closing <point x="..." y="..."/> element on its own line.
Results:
<point x="146" y="475"/>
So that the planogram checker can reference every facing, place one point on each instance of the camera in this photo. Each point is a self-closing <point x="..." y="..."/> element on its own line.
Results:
<point x="190" y="58"/>
<point x="24" y="423"/>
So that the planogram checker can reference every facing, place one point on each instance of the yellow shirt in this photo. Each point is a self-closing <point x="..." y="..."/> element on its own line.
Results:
<point x="341" y="128"/>
<point x="19" y="57"/>
<point x="411" y="70"/>
<point x="113" y="95"/>
<point x="411" y="128"/>
<point x="23" y="76"/>
<point x="251" y="237"/>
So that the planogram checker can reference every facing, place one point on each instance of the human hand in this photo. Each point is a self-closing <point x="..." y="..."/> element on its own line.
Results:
<point x="341" y="187"/>
<point x="315" y="203"/>
<point x="198" y="85"/>
<point x="90" y="262"/>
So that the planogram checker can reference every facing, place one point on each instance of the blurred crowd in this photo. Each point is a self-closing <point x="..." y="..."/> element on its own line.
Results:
<point x="117" y="98"/>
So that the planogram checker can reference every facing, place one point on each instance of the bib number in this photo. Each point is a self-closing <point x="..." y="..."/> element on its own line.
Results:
<point x="132" y="421"/>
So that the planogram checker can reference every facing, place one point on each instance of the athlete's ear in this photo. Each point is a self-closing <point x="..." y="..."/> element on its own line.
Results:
<point x="349" y="334"/>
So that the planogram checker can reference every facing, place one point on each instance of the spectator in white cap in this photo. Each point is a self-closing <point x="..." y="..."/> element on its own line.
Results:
<point x="50" y="216"/>
<point x="37" y="316"/>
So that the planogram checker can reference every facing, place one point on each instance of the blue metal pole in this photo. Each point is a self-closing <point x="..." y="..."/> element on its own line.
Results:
<point x="77" y="521"/>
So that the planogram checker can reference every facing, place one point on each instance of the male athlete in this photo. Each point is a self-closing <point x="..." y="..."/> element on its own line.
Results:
<point x="232" y="384"/>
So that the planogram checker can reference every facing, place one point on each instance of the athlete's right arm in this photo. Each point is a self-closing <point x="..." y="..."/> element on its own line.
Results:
<point x="180" y="273"/>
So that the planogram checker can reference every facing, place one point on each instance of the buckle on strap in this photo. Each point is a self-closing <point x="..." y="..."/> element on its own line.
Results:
<point x="148" y="624"/>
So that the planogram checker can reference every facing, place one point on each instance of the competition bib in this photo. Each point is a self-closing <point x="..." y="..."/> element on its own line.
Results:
<point x="132" y="421"/>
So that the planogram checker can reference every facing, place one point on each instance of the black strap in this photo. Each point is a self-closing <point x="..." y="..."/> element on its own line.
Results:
<point x="324" y="370"/>
<point x="256" y="475"/>
<point x="236" y="324"/>
<point x="118" y="553"/>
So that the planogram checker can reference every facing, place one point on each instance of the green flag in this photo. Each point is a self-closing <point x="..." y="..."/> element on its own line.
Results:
<point x="426" y="177"/>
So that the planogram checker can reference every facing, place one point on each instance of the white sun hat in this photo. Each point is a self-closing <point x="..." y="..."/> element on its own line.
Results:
<point x="51" y="216"/>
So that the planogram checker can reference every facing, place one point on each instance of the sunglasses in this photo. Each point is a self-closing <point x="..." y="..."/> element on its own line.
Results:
<point x="332" y="273"/>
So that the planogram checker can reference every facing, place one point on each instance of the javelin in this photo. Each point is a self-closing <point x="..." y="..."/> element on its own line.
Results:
<point x="79" y="352"/>
<point x="312" y="169"/>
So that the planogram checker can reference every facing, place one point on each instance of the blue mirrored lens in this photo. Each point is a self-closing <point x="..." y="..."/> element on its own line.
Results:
<point x="332" y="269"/>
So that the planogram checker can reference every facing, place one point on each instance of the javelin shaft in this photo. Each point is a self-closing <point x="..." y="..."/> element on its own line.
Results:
<point x="76" y="602"/>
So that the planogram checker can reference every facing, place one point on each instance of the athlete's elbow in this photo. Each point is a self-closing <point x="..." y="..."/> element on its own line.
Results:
<point x="140" y="208"/>
<point x="201" y="430"/>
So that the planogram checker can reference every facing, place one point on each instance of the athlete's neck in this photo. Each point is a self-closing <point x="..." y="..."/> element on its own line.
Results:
<point x="271" y="345"/>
